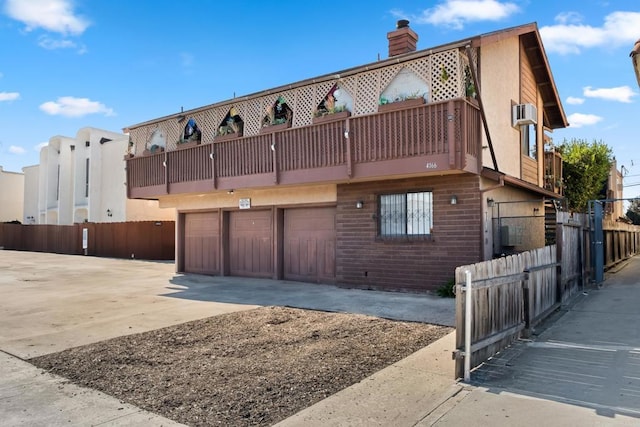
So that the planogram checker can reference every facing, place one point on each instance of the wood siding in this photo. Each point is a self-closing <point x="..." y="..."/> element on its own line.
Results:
<point x="529" y="95"/>
<point x="417" y="264"/>
<point x="529" y="169"/>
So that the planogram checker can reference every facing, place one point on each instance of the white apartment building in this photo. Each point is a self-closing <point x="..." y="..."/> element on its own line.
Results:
<point x="11" y="195"/>
<point x="83" y="179"/>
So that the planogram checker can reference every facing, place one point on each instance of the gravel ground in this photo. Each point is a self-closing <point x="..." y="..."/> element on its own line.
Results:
<point x="251" y="368"/>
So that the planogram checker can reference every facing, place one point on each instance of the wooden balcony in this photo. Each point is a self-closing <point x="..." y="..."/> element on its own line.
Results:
<point x="420" y="140"/>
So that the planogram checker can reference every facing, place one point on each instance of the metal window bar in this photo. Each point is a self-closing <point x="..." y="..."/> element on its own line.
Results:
<point x="406" y="214"/>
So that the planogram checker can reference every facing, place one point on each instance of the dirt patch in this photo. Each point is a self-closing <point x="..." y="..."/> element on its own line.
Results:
<point x="251" y="368"/>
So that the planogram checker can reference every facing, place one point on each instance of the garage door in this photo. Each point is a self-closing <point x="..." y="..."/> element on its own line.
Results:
<point x="309" y="245"/>
<point x="201" y="243"/>
<point x="251" y="243"/>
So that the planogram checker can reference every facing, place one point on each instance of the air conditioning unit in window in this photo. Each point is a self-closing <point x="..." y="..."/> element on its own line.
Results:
<point x="524" y="114"/>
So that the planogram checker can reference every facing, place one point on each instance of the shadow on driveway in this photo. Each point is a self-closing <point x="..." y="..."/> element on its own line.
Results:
<point x="266" y="292"/>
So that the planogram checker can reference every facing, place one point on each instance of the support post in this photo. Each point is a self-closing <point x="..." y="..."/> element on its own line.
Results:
<point x="467" y="328"/>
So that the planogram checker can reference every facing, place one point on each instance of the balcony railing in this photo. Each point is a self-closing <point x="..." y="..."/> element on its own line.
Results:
<point x="434" y="137"/>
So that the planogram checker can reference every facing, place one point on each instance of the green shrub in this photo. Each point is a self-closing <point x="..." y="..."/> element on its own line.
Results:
<point x="448" y="290"/>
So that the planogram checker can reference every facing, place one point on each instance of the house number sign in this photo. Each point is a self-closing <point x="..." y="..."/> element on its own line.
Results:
<point x="244" y="204"/>
<point x="432" y="165"/>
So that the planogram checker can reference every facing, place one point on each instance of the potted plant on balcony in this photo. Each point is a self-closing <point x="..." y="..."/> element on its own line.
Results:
<point x="129" y="153"/>
<point x="400" y="102"/>
<point x="329" y="111"/>
<point x="191" y="135"/>
<point x="278" y="117"/>
<point x="231" y="127"/>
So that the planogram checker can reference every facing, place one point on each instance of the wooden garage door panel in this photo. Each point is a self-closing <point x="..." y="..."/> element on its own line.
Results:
<point x="251" y="244"/>
<point x="309" y="245"/>
<point x="202" y="243"/>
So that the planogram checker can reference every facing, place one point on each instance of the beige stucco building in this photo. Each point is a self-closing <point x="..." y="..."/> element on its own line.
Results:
<point x="83" y="179"/>
<point x="11" y="195"/>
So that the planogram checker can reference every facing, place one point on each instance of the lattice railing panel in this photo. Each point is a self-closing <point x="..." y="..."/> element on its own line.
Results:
<point x="421" y="68"/>
<point x="368" y="91"/>
<point x="365" y="88"/>
<point x="445" y="75"/>
<point x="305" y="104"/>
<point x="386" y="75"/>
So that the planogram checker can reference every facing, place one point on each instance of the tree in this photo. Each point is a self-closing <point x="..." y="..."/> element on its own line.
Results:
<point x="633" y="213"/>
<point x="585" y="170"/>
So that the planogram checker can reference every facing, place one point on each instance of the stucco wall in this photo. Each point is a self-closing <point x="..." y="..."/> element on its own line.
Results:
<point x="11" y="196"/>
<point x="281" y="196"/>
<point x="31" y="194"/>
<point x="500" y="74"/>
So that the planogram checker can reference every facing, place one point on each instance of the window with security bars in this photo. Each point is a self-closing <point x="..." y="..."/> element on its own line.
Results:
<point x="406" y="214"/>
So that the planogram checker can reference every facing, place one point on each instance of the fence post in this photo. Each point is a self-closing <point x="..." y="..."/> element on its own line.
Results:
<point x="526" y="305"/>
<point x="467" y="328"/>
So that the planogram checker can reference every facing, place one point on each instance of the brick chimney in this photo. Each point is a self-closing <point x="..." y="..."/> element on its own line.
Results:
<point x="402" y="40"/>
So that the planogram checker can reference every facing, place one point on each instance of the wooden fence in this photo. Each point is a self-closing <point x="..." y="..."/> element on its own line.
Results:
<point x="511" y="295"/>
<point x="152" y="240"/>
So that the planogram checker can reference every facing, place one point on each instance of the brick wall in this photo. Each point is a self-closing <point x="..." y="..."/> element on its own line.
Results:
<point x="364" y="260"/>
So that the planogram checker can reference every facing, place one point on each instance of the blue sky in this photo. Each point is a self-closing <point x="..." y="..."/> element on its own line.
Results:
<point x="68" y="64"/>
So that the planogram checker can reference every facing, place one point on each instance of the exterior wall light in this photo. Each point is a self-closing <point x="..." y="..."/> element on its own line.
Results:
<point x="454" y="200"/>
<point x="490" y="202"/>
<point x="359" y="204"/>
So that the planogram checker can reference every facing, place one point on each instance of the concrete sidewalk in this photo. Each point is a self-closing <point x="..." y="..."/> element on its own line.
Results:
<point x="584" y="369"/>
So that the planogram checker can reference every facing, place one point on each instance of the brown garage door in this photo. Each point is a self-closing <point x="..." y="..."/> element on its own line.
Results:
<point x="251" y="243"/>
<point x="309" y="245"/>
<point x="201" y="243"/>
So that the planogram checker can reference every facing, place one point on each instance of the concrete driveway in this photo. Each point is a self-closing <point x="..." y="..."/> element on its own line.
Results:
<point x="53" y="302"/>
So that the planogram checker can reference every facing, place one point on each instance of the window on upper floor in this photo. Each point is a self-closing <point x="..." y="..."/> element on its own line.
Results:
<point x="528" y="140"/>
<point x="405" y="214"/>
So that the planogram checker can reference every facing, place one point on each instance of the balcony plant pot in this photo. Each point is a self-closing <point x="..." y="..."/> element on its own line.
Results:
<point x="275" y="128"/>
<point x="400" y="105"/>
<point x="148" y="152"/>
<point x="187" y="144"/>
<point x="228" y="136"/>
<point x="331" y="117"/>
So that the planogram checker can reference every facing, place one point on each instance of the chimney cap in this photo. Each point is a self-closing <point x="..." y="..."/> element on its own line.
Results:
<point x="402" y="23"/>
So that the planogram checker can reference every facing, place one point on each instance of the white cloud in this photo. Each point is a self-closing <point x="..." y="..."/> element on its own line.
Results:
<point x="574" y="100"/>
<point x="52" y="44"/>
<point x="14" y="149"/>
<point x="571" y="36"/>
<point x="51" y="15"/>
<point x="568" y="18"/>
<point x="69" y="106"/>
<point x="620" y="94"/>
<point x="578" y="120"/>
<point x="40" y="146"/>
<point x="456" y="13"/>
<point x="9" y="96"/>
<point x="49" y="43"/>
